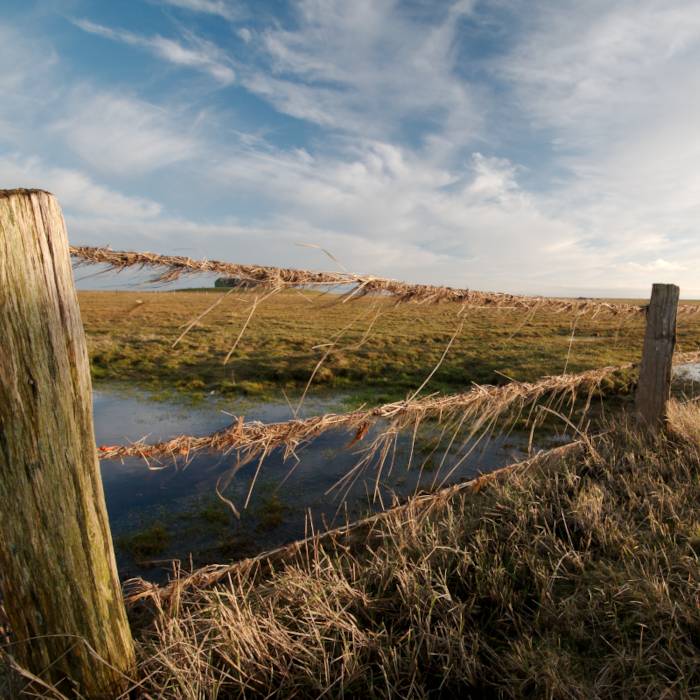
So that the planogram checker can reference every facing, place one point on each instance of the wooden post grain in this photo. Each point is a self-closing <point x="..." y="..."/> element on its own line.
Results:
<point x="654" y="388"/>
<point x="57" y="570"/>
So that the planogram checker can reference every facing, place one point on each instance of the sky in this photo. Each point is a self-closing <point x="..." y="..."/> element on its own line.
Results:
<point x="546" y="147"/>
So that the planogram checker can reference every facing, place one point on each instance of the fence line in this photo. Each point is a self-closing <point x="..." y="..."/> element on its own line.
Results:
<point x="277" y="278"/>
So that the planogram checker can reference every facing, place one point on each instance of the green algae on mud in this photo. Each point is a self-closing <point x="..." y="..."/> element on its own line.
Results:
<point x="382" y="351"/>
<point x="148" y="542"/>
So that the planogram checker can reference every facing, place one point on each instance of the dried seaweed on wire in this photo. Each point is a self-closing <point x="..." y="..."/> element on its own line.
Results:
<point x="480" y="407"/>
<point x="276" y="278"/>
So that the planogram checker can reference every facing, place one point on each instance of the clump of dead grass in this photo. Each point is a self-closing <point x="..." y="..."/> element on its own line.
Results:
<point x="684" y="420"/>
<point x="577" y="578"/>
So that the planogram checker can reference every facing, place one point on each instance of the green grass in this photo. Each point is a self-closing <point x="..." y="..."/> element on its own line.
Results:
<point x="270" y="512"/>
<point x="146" y="543"/>
<point x="215" y="513"/>
<point x="132" y="342"/>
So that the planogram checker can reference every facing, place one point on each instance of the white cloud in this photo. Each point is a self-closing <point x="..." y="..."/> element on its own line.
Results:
<point x="221" y="8"/>
<point x="112" y="132"/>
<point x="24" y="82"/>
<point x="75" y="190"/>
<point x="408" y="173"/>
<point x="198" y="53"/>
<point x="616" y="88"/>
<point x="121" y="134"/>
<point x="590" y="66"/>
<point x="494" y="177"/>
<point x="658" y="265"/>
<point x="368" y="67"/>
<point x="471" y="227"/>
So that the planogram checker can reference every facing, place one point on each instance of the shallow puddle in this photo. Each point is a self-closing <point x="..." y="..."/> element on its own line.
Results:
<point x="173" y="512"/>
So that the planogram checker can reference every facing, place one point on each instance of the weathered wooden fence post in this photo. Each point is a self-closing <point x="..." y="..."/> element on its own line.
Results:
<point x="57" y="569"/>
<point x="654" y="388"/>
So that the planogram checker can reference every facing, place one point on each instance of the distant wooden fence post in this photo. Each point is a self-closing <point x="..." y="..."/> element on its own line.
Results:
<point x="57" y="570"/>
<point x="654" y="388"/>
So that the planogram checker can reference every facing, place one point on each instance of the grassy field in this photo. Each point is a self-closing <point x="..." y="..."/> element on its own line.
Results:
<point x="381" y="351"/>
<point x="576" y="579"/>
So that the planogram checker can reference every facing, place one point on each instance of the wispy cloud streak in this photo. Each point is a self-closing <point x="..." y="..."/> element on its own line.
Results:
<point x="221" y="8"/>
<point x="198" y="53"/>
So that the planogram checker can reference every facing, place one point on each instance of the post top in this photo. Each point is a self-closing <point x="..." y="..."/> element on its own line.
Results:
<point x="22" y="190"/>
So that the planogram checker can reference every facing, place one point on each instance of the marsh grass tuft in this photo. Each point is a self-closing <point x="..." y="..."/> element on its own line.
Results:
<point x="683" y="420"/>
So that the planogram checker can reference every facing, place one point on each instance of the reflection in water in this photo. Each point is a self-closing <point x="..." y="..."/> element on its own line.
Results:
<point x="173" y="512"/>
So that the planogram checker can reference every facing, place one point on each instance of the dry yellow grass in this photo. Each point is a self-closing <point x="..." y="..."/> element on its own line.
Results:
<point x="576" y="578"/>
<point x="684" y="420"/>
